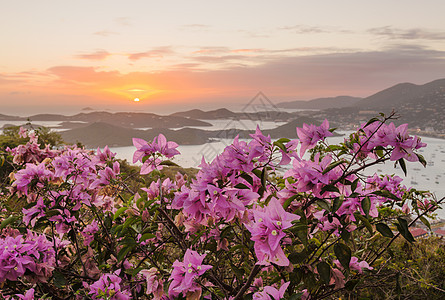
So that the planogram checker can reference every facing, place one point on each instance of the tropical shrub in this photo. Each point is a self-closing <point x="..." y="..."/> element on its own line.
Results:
<point x="240" y="229"/>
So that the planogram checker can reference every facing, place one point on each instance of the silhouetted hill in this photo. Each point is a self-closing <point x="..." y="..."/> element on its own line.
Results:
<point x="99" y="134"/>
<point x="221" y="113"/>
<point x="224" y="113"/>
<point x="429" y="94"/>
<point x="288" y="130"/>
<point x="321" y="103"/>
<point x="125" y="119"/>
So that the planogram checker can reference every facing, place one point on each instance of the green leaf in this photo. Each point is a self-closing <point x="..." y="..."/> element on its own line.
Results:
<point x="351" y="284"/>
<point x="402" y="226"/>
<point x="280" y="145"/>
<point x="124" y="251"/>
<point x="247" y="177"/>
<point x="402" y="165"/>
<point x="289" y="201"/>
<point x="59" y="279"/>
<point x="421" y="159"/>
<point x="283" y="140"/>
<point x="366" y="205"/>
<point x="324" y="270"/>
<point x="242" y="186"/>
<point x="324" y="205"/>
<point x="301" y="232"/>
<point x="354" y="185"/>
<point x="365" y="221"/>
<point x="371" y="121"/>
<point x="332" y="165"/>
<point x="329" y="188"/>
<point x="239" y="273"/>
<point x="343" y="254"/>
<point x="384" y="230"/>
<point x="146" y="236"/>
<point x="264" y="177"/>
<point x="338" y="201"/>
<point x="386" y="194"/>
<point x="169" y="163"/>
<point x="119" y="212"/>
<point x="298" y="257"/>
<point x="425" y="221"/>
<point x="8" y="221"/>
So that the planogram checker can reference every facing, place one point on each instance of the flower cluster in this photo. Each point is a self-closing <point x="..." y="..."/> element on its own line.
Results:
<point x="267" y="231"/>
<point x="109" y="287"/>
<point x="32" y="255"/>
<point x="186" y="272"/>
<point x="150" y="153"/>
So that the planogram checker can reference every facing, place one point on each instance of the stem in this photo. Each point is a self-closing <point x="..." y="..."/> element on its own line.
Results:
<point x="256" y="269"/>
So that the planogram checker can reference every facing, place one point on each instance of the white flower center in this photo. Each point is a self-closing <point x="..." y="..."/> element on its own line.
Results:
<point x="274" y="232"/>
<point x="190" y="271"/>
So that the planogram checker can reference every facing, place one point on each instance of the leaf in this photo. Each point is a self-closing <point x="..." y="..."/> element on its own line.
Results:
<point x="301" y="232"/>
<point x="298" y="257"/>
<point x="280" y="145"/>
<point x="324" y="270"/>
<point x="384" y="230"/>
<point x="402" y="226"/>
<point x="8" y="221"/>
<point x="365" y="222"/>
<point x="351" y="284"/>
<point x="124" y="251"/>
<point x="283" y="140"/>
<point x="289" y="201"/>
<point x="119" y="212"/>
<point x="59" y="279"/>
<point x="343" y="254"/>
<point x="169" y="163"/>
<point x="242" y="186"/>
<point x="329" y="188"/>
<point x="354" y="185"/>
<point x="247" y="177"/>
<point x="402" y="165"/>
<point x="366" y="205"/>
<point x="373" y="120"/>
<point x="264" y="177"/>
<point x="146" y="236"/>
<point x="338" y="201"/>
<point x="425" y="221"/>
<point x="332" y="165"/>
<point x="421" y="159"/>
<point x="238" y="271"/>
<point x="386" y="194"/>
<point x="324" y="205"/>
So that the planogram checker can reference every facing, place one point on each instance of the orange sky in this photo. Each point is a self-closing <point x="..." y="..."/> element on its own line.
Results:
<point x="62" y="56"/>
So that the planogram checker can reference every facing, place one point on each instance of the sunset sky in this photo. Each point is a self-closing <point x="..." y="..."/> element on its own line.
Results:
<point x="61" y="56"/>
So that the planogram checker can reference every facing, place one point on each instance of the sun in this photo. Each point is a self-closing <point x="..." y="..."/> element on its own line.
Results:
<point x="136" y="100"/>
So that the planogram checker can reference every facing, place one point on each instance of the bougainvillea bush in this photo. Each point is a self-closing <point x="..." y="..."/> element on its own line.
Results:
<point x="242" y="228"/>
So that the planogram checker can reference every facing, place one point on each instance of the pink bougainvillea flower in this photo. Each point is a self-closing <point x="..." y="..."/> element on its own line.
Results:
<point x="184" y="273"/>
<point x="309" y="135"/>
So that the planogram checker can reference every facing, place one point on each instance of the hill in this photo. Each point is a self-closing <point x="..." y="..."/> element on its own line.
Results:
<point x="99" y="134"/>
<point x="321" y="103"/>
<point x="123" y="119"/>
<point x="429" y="94"/>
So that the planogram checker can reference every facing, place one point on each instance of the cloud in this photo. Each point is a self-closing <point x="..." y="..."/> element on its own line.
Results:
<point x="281" y="77"/>
<point x="195" y="27"/>
<point x="105" y="33"/>
<point x="158" y="52"/>
<point x="98" y="55"/>
<point x="407" y="34"/>
<point x="303" y="29"/>
<point x="123" y="21"/>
